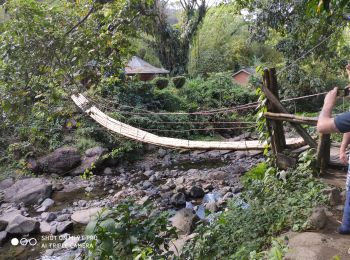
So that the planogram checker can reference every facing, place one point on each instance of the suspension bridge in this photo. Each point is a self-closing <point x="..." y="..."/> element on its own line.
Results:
<point x="275" y="115"/>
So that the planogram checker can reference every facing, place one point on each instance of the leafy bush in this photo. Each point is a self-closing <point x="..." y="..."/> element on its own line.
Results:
<point x="161" y="82"/>
<point x="179" y="81"/>
<point x="130" y="231"/>
<point x="265" y="208"/>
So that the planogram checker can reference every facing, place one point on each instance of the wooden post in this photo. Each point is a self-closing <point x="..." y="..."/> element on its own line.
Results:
<point x="277" y="125"/>
<point x="266" y="83"/>
<point x="323" y="152"/>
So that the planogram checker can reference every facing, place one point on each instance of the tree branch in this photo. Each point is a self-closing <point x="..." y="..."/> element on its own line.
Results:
<point x="81" y="21"/>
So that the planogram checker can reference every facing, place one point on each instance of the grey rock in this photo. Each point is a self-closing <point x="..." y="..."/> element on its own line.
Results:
<point x="3" y="237"/>
<point x="146" y="185"/>
<point x="178" y="199"/>
<point x="107" y="171"/>
<point x="63" y="217"/>
<point x="64" y="226"/>
<point x="45" y="227"/>
<point x="82" y="203"/>
<point x="96" y="151"/>
<point x="6" y="183"/>
<point x="212" y="207"/>
<point x="171" y="184"/>
<point x="89" y="189"/>
<point x="9" y="215"/>
<point x="208" y="187"/>
<point x="22" y="225"/>
<point x="60" y="161"/>
<point x="184" y="220"/>
<point x="45" y="205"/>
<point x="48" y="202"/>
<point x="57" y="186"/>
<point x="3" y="225"/>
<point x="218" y="175"/>
<point x="148" y="173"/>
<point x="28" y="191"/>
<point x="84" y="216"/>
<point x="196" y="192"/>
<point x="53" y="230"/>
<point x="161" y="152"/>
<point x="318" y="219"/>
<point x="334" y="196"/>
<point x="48" y="216"/>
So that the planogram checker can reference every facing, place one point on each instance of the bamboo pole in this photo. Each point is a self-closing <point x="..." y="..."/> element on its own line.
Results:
<point x="291" y="118"/>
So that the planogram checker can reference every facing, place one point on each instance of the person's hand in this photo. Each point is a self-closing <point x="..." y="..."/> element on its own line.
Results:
<point x="343" y="156"/>
<point x="331" y="98"/>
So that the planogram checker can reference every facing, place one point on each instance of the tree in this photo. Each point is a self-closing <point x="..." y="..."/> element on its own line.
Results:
<point x="46" y="57"/>
<point x="312" y="42"/>
<point x="172" y="43"/>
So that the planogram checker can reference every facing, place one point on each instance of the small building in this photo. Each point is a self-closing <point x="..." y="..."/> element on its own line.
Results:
<point x="138" y="66"/>
<point x="242" y="76"/>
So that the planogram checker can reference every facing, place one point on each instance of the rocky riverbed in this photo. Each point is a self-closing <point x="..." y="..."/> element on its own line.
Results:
<point x="54" y="205"/>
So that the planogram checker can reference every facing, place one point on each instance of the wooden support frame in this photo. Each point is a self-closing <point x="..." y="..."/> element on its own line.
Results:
<point x="280" y="108"/>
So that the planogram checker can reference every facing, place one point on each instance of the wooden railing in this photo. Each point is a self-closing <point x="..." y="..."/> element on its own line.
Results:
<point x="276" y="114"/>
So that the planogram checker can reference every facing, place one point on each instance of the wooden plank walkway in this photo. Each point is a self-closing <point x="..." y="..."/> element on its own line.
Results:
<point x="146" y="137"/>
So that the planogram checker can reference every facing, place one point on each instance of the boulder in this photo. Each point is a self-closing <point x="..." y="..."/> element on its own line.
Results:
<point x="96" y="151"/>
<point x="45" y="205"/>
<point x="184" y="220"/>
<point x="178" y="199"/>
<point x="196" y="192"/>
<point x="91" y="158"/>
<point x="318" y="219"/>
<point x="64" y="226"/>
<point x="218" y="175"/>
<point x="334" y="196"/>
<point x="48" y="216"/>
<point x="61" y="161"/>
<point x="45" y="227"/>
<point x="63" y="217"/>
<point x="84" y="216"/>
<point x="21" y="225"/>
<point x="3" y="237"/>
<point x="6" y="183"/>
<point x="211" y="206"/>
<point x="28" y="191"/>
<point x="8" y="216"/>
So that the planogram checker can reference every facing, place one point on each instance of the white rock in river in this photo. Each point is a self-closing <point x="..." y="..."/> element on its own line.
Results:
<point x="84" y="216"/>
<point x="22" y="225"/>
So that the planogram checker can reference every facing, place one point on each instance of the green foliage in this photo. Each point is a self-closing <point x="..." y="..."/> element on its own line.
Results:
<point x="130" y="231"/>
<point x="217" y="90"/>
<point x="161" y="82"/>
<point x="266" y="207"/>
<point x="256" y="173"/>
<point x="179" y="81"/>
<point x="43" y="62"/>
<point x="222" y="44"/>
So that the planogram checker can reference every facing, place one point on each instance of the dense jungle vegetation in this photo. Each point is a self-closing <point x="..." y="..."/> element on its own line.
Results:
<point x="52" y="49"/>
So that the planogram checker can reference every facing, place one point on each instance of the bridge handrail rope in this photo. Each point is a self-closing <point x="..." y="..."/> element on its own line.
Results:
<point x="146" y="137"/>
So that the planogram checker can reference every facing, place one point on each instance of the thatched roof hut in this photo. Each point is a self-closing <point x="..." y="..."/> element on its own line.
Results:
<point x="138" y="66"/>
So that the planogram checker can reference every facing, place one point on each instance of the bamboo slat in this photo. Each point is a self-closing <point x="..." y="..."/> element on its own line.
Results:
<point x="146" y="137"/>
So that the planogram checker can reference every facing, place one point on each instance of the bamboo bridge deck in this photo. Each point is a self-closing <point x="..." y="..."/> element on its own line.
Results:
<point x="139" y="135"/>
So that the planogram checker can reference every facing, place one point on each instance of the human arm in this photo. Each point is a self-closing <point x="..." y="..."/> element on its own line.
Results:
<point x="325" y="123"/>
